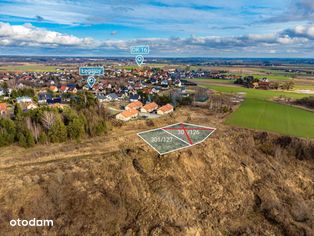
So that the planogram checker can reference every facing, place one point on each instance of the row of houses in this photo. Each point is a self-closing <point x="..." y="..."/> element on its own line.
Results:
<point x="133" y="110"/>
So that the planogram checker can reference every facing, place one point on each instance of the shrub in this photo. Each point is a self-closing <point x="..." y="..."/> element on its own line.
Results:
<point x="21" y="140"/>
<point x="43" y="139"/>
<point x="75" y="129"/>
<point x="58" y="131"/>
<point x="149" y="123"/>
<point x="7" y="131"/>
<point x="306" y="101"/>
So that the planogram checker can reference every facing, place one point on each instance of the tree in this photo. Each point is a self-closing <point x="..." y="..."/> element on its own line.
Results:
<point x="33" y="127"/>
<point x="43" y="139"/>
<point x="100" y="128"/>
<point x="48" y="119"/>
<point x="57" y="132"/>
<point x="7" y="131"/>
<point x="18" y="113"/>
<point x="75" y="129"/>
<point x="21" y="140"/>
<point x="288" y="85"/>
<point x="29" y="139"/>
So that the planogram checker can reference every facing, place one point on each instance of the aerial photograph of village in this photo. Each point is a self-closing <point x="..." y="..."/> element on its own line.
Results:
<point x="157" y="117"/>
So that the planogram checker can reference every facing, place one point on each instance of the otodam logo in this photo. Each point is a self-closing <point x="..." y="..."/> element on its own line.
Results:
<point x="33" y="223"/>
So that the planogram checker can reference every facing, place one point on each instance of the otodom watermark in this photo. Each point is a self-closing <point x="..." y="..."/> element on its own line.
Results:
<point x="32" y="223"/>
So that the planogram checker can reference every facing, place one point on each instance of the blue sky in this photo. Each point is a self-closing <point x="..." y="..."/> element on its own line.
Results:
<point x="223" y="28"/>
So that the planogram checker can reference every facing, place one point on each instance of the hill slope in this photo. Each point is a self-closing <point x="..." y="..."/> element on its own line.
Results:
<point x="238" y="182"/>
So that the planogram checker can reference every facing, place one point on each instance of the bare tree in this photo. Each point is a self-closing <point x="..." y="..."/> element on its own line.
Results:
<point x="33" y="127"/>
<point x="48" y="119"/>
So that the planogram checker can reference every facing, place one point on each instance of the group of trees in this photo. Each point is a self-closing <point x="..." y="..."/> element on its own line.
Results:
<point x="246" y="81"/>
<point x="45" y="124"/>
<point x="306" y="101"/>
<point x="23" y="92"/>
<point x="249" y="81"/>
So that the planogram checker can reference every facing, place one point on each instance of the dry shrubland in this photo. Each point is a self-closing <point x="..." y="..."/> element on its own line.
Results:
<point x="238" y="182"/>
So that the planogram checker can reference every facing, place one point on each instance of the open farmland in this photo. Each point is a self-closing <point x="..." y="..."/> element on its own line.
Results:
<point x="28" y="68"/>
<point x="258" y="111"/>
<point x="270" y="116"/>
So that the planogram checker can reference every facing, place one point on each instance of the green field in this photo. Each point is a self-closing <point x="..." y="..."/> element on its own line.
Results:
<point x="270" y="116"/>
<point x="259" y="112"/>
<point x="29" y="68"/>
<point x="254" y="93"/>
<point x="273" y="77"/>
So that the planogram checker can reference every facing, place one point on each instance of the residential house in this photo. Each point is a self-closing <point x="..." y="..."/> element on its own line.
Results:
<point x="164" y="84"/>
<point x="64" y="88"/>
<point x="72" y="88"/>
<point x="30" y="106"/>
<point x="23" y="99"/>
<point x="177" y="83"/>
<point x="150" y="107"/>
<point x="54" y="100"/>
<point x="134" y="97"/>
<point x="53" y="88"/>
<point x="3" y="109"/>
<point x="168" y="108"/>
<point x="156" y="89"/>
<point x="127" y="115"/>
<point x="153" y="81"/>
<point x="112" y="97"/>
<point x="134" y="105"/>
<point x="42" y="97"/>
<point x="101" y="97"/>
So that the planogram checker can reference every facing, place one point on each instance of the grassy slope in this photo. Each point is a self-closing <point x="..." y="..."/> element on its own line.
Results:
<point x="258" y="112"/>
<point x="270" y="116"/>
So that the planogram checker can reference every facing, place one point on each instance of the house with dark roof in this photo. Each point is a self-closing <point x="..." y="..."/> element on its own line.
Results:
<point x="42" y="97"/>
<point x="54" y="100"/>
<point x="101" y="97"/>
<point x="164" y="84"/>
<point x="134" y="97"/>
<point x="112" y="97"/>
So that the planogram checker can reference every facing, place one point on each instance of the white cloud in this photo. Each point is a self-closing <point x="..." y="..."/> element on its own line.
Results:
<point x="28" y="35"/>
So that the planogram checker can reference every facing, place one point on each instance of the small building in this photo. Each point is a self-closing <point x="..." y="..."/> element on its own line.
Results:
<point x="72" y="88"/>
<point x="3" y="108"/>
<point x="168" y="108"/>
<point x="153" y="81"/>
<point x="127" y="115"/>
<point x="31" y="106"/>
<point x="101" y="97"/>
<point x="150" y="107"/>
<point x="43" y="97"/>
<point x="134" y="105"/>
<point x="23" y="99"/>
<point x="112" y="97"/>
<point x="177" y="83"/>
<point x="64" y="88"/>
<point x="54" y="100"/>
<point x="164" y="84"/>
<point x="53" y="88"/>
<point x="134" y="97"/>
